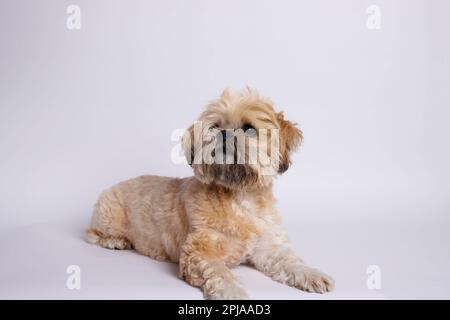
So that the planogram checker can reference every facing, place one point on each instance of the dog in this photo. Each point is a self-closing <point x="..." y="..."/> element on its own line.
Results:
<point x="225" y="214"/>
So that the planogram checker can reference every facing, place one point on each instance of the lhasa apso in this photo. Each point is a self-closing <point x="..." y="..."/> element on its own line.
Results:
<point x="222" y="216"/>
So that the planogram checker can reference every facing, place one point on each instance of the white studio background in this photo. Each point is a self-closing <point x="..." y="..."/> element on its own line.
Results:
<point x="83" y="109"/>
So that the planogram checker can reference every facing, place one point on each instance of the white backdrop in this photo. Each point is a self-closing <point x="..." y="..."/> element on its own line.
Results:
<point x="83" y="109"/>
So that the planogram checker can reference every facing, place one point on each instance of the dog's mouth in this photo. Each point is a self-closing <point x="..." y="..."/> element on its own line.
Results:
<point x="232" y="176"/>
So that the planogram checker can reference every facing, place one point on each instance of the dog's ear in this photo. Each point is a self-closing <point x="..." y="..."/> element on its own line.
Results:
<point x="290" y="138"/>
<point x="187" y="144"/>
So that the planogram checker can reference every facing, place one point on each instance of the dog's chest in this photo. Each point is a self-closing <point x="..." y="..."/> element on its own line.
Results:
<point x="243" y="207"/>
<point x="252" y="222"/>
<point x="248" y="210"/>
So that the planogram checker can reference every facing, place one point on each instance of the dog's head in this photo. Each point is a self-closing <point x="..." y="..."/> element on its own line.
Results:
<point x="239" y="141"/>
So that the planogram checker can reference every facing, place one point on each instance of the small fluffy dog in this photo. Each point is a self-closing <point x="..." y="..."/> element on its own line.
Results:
<point x="224" y="215"/>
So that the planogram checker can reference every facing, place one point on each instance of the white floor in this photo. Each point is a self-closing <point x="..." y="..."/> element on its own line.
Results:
<point x="414" y="261"/>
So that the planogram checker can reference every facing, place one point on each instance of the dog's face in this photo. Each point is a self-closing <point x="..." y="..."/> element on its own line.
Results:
<point x="239" y="141"/>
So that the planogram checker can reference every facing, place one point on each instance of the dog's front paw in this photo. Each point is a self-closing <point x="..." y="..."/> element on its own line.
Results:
<point x="313" y="280"/>
<point x="221" y="289"/>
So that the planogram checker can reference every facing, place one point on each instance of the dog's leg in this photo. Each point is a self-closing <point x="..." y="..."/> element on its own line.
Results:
<point x="278" y="261"/>
<point x="202" y="265"/>
<point x="109" y="222"/>
<point x="110" y="242"/>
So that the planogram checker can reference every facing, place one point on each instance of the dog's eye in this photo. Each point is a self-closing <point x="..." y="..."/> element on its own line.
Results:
<point x="247" y="126"/>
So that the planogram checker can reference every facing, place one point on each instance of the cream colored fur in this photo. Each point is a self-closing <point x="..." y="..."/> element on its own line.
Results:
<point x="211" y="222"/>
